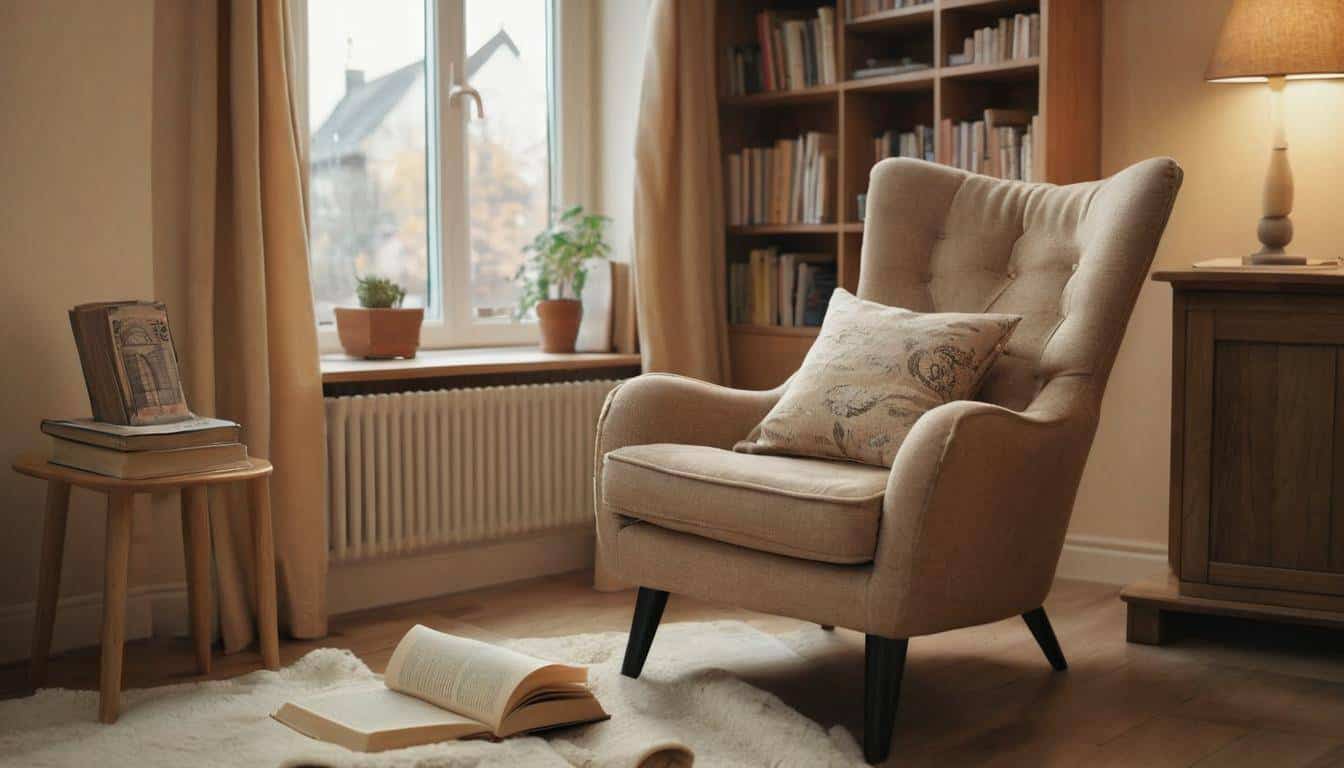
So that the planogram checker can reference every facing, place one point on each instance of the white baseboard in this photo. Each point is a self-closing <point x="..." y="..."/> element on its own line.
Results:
<point x="1109" y="560"/>
<point x="388" y="581"/>
<point x="158" y="609"/>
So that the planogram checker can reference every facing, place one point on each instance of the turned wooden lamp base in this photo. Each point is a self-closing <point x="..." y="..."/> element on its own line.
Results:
<point x="1279" y="258"/>
<point x="1276" y="232"/>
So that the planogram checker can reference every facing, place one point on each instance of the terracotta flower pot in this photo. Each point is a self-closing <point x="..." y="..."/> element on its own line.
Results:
<point x="559" y="323"/>
<point x="379" y="333"/>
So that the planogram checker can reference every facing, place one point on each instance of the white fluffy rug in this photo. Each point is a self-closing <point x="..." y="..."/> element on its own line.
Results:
<point x="689" y="701"/>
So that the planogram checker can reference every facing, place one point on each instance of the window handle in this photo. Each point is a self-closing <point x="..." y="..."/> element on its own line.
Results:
<point x="459" y="90"/>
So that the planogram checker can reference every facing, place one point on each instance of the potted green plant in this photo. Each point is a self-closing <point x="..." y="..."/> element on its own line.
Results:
<point x="380" y="327"/>
<point x="554" y="273"/>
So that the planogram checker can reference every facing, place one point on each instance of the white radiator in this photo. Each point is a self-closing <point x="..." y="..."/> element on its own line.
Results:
<point x="416" y="470"/>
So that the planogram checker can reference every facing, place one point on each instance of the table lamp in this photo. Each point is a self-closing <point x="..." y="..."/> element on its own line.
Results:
<point x="1273" y="41"/>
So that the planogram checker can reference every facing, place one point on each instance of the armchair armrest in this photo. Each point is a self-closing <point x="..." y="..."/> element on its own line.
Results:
<point x="974" y="515"/>
<point x="665" y="408"/>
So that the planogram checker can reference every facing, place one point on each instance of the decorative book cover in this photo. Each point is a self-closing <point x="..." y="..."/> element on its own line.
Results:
<point x="130" y="366"/>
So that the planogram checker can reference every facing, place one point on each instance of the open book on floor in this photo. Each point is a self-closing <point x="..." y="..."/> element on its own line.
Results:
<point x="440" y="687"/>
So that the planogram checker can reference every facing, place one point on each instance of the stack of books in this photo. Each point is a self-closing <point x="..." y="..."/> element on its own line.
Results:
<point x="793" y="182"/>
<point x="791" y="51"/>
<point x="1002" y="143"/>
<point x="137" y="453"/>
<point x="141" y="426"/>
<point x="1016" y="37"/>
<point x="916" y="143"/>
<point x="860" y="8"/>
<point x="783" y="289"/>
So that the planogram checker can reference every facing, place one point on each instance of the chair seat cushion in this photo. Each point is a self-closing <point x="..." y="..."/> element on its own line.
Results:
<point x="813" y="509"/>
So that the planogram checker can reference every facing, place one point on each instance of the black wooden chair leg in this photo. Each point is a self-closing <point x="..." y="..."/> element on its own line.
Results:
<point x="1045" y="637"/>
<point x="648" y="612"/>
<point x="884" y="661"/>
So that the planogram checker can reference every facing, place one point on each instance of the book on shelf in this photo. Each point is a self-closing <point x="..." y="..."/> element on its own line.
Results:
<point x="1003" y="143"/>
<point x="191" y="433"/>
<point x="144" y="465"/>
<point x="792" y="50"/>
<point x="774" y="288"/>
<point x="792" y="182"/>
<point x="130" y="366"/>
<point x="888" y="67"/>
<point x="816" y="284"/>
<point x="1014" y="38"/>
<point x="440" y="687"/>
<point x="860" y="8"/>
<point x="917" y="143"/>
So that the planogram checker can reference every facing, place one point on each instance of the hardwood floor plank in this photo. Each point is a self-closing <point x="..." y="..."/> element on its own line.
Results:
<point x="1263" y="748"/>
<point x="1165" y="742"/>
<point x="1273" y="701"/>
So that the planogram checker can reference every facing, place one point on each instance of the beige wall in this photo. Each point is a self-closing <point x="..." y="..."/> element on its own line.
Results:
<point x="1155" y="102"/>
<point x="74" y="227"/>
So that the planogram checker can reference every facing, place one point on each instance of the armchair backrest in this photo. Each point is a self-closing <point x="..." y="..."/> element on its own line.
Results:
<point x="1069" y="259"/>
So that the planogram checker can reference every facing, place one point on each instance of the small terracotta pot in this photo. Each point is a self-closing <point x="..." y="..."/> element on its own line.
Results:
<point x="559" y="323"/>
<point x="379" y="333"/>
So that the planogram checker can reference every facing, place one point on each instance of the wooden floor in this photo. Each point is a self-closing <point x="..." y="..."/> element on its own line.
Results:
<point x="1223" y="693"/>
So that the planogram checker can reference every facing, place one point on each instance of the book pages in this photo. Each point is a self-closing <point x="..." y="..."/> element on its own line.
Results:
<point x="471" y="678"/>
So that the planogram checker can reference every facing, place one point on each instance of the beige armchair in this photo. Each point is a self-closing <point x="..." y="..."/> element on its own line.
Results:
<point x="968" y="524"/>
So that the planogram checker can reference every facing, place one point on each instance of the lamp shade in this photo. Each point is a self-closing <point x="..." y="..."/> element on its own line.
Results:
<point x="1273" y="38"/>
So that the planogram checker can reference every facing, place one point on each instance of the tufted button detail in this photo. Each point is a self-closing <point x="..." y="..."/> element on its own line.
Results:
<point x="1012" y="275"/>
<point x="1074" y="266"/>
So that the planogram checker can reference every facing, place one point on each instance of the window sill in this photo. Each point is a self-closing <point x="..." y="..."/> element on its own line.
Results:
<point x="481" y="366"/>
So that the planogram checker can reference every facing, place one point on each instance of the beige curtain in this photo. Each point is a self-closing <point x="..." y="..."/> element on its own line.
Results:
<point x="678" y="259"/>
<point x="231" y="259"/>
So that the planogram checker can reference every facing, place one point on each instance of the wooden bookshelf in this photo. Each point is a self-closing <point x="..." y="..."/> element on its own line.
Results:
<point x="1062" y="85"/>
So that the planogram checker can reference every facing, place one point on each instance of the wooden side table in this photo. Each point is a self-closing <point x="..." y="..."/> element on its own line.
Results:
<point x="195" y="541"/>
<point x="1256" y="526"/>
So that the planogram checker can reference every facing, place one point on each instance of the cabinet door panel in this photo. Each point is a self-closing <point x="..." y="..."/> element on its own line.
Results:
<point x="1245" y="391"/>
<point x="1273" y="426"/>
<point x="1303" y="466"/>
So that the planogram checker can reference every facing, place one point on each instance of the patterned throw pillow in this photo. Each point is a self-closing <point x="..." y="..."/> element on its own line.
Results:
<point x="872" y="372"/>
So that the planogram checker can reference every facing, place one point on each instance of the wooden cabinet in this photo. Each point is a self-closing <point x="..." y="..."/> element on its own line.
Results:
<point x="1257" y="448"/>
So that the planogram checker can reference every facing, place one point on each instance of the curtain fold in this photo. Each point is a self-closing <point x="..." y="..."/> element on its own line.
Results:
<point x="678" y="260"/>
<point x="231" y="261"/>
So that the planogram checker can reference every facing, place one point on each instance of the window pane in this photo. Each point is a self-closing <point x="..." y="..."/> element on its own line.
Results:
<point x="366" y="103"/>
<point x="509" y="154"/>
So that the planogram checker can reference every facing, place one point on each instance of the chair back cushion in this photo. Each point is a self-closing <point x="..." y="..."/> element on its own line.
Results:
<point x="1068" y="259"/>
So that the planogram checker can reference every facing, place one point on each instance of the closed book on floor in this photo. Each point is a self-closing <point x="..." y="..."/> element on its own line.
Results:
<point x="142" y="465"/>
<point x="191" y="433"/>
<point x="441" y="687"/>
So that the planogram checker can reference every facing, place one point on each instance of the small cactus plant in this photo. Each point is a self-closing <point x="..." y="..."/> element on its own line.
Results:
<point x="376" y="292"/>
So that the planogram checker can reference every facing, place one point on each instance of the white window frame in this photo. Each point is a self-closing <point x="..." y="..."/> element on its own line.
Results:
<point x="572" y="101"/>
